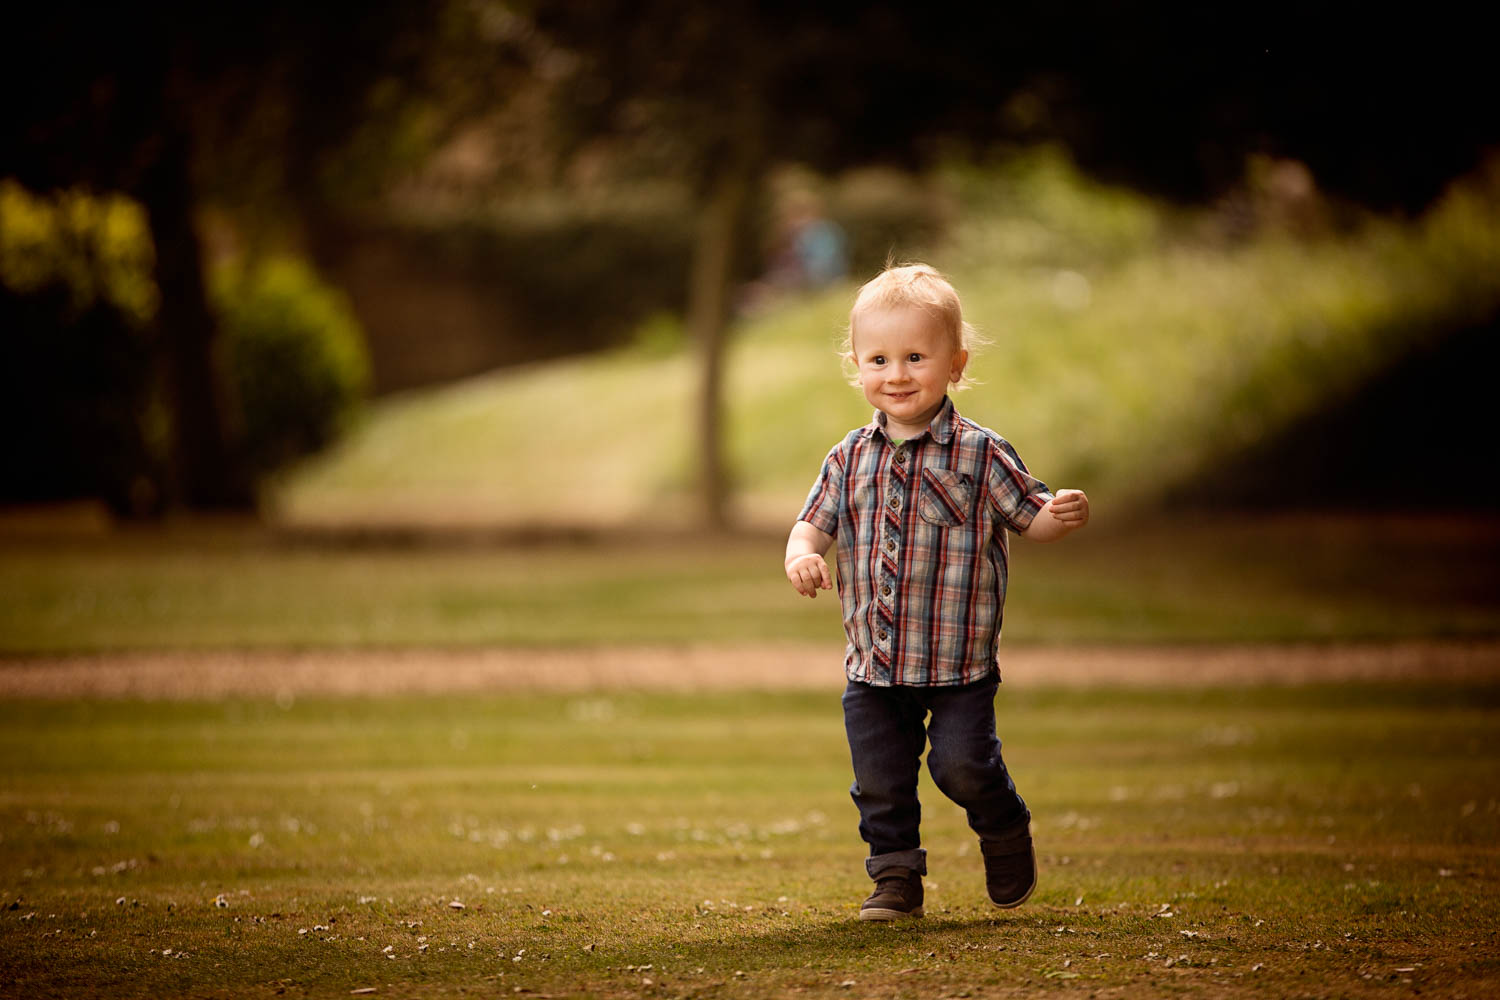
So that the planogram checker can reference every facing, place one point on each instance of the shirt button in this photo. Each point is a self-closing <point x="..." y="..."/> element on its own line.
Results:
<point x="880" y="635"/>
<point x="890" y="545"/>
<point x="901" y="457"/>
<point x="885" y="591"/>
<point x="894" y="502"/>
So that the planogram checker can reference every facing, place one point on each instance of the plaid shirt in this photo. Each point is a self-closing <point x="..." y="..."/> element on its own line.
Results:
<point x="922" y="550"/>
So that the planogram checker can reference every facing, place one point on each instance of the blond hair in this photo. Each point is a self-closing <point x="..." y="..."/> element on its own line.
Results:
<point x="913" y="286"/>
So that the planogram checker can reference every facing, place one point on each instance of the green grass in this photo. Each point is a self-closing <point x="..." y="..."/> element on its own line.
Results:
<point x="1288" y="841"/>
<point x="1129" y="354"/>
<point x="1165" y="580"/>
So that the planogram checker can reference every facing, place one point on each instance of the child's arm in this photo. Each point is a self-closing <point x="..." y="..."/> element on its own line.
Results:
<point x="1065" y="513"/>
<point x="805" y="566"/>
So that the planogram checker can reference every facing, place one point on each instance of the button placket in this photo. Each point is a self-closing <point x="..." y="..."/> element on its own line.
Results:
<point x="891" y="534"/>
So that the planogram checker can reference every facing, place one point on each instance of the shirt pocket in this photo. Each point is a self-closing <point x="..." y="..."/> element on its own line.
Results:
<point x="945" y="497"/>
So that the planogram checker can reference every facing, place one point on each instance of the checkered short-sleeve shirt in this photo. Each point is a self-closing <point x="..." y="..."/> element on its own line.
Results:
<point x="922" y="547"/>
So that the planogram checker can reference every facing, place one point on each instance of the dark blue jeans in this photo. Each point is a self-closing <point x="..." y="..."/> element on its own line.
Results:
<point x="888" y="730"/>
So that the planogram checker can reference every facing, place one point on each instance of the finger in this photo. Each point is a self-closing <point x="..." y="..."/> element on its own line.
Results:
<point x="827" y="576"/>
<point x="810" y="583"/>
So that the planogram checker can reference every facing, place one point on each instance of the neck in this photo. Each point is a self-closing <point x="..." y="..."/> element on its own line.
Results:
<point x="897" y="428"/>
<point x="903" y="431"/>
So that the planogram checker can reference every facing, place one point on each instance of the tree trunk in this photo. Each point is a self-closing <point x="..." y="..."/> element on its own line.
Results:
<point x="725" y="212"/>
<point x="205" y="472"/>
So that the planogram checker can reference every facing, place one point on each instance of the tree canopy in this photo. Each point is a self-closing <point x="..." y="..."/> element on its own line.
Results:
<point x="169" y="102"/>
<point x="285" y="103"/>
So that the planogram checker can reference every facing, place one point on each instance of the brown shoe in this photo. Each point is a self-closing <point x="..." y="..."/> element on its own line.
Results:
<point x="1009" y="870"/>
<point x="898" y="894"/>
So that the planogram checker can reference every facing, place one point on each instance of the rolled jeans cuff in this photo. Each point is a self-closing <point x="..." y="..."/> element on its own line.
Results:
<point x="914" y="860"/>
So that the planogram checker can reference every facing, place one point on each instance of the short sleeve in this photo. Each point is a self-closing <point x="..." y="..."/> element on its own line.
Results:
<point x="1016" y="494"/>
<point x="822" y="507"/>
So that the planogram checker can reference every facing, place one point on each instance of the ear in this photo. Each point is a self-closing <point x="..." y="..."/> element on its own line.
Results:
<point x="960" y="361"/>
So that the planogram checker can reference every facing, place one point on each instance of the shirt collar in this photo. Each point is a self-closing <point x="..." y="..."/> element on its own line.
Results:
<point x="941" y="427"/>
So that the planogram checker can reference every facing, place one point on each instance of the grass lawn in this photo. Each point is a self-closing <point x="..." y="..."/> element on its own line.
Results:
<point x="1167" y="580"/>
<point x="1310" y="841"/>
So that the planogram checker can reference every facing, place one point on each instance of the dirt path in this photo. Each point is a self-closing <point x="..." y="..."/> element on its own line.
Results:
<point x="281" y="674"/>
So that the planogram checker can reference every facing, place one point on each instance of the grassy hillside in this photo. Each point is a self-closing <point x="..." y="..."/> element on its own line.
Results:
<point x="1129" y="351"/>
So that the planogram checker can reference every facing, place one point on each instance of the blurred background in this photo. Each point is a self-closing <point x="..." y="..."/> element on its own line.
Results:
<point x="469" y="321"/>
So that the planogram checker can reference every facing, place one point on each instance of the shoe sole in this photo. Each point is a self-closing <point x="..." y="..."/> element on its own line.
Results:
<point x="1027" y="894"/>
<point x="882" y="914"/>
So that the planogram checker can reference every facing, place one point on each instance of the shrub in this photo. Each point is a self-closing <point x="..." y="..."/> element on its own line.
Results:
<point x="297" y="364"/>
<point x="76" y="302"/>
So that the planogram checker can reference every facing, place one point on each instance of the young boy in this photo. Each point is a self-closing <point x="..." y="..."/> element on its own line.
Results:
<point x="920" y="501"/>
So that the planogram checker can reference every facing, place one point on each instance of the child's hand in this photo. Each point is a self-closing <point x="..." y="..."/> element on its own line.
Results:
<point x="809" y="574"/>
<point x="1071" y="507"/>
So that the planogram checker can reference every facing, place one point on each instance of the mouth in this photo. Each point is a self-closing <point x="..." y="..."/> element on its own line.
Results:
<point x="898" y="396"/>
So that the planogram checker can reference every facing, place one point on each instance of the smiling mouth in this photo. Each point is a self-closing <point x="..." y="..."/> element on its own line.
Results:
<point x="901" y="395"/>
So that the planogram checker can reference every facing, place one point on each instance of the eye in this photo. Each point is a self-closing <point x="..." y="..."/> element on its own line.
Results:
<point x="914" y="357"/>
<point x="878" y="359"/>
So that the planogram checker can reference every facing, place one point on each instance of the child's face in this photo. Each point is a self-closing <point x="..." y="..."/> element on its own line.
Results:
<point x="906" y="361"/>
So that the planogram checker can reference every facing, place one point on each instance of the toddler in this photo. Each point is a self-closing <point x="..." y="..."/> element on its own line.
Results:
<point x="920" y="500"/>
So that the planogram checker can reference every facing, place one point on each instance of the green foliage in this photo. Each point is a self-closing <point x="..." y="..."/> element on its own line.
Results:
<point x="296" y="359"/>
<point x="79" y="305"/>
<point x="1204" y="842"/>
<point x="77" y="388"/>
<point x="1128" y="353"/>
<point x="95" y="246"/>
<point x="1034" y="208"/>
<point x="660" y="335"/>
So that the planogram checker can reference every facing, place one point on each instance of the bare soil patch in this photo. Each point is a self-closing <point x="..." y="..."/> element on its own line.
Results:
<point x="290" y="673"/>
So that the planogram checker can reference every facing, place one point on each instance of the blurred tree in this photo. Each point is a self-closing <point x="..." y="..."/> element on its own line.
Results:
<point x="717" y="93"/>
<point x="1168" y="97"/>
<point x="171" y="102"/>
